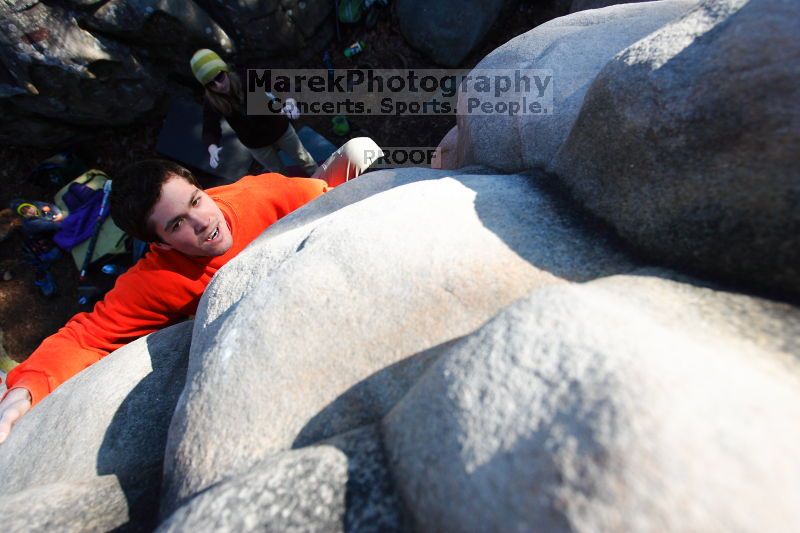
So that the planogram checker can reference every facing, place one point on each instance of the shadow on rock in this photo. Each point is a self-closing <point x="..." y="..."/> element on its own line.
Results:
<point x="141" y="424"/>
<point x="369" y="400"/>
<point x="544" y="226"/>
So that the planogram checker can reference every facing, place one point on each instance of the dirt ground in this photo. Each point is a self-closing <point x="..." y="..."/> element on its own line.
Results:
<point x="27" y="317"/>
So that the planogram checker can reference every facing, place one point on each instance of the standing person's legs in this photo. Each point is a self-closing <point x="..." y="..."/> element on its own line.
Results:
<point x="290" y="143"/>
<point x="268" y="158"/>
<point x="349" y="161"/>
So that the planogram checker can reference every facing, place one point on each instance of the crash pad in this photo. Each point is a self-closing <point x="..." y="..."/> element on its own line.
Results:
<point x="181" y="139"/>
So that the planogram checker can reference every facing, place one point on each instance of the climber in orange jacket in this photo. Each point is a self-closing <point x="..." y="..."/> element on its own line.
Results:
<point x="193" y="234"/>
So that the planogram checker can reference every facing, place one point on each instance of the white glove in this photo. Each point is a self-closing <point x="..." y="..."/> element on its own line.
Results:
<point x="213" y="152"/>
<point x="290" y="109"/>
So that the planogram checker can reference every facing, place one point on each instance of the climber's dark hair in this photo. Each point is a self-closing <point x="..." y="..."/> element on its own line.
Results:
<point x="135" y="192"/>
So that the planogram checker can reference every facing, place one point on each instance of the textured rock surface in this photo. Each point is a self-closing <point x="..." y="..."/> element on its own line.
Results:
<point x="65" y="72"/>
<point x="170" y="30"/>
<point x="292" y="325"/>
<point x="56" y="72"/>
<point x="688" y="143"/>
<point x="266" y="27"/>
<point x="96" y="505"/>
<point x="446" y="30"/>
<point x="301" y="490"/>
<point x="574" y="48"/>
<point x="111" y="419"/>
<point x="373" y="503"/>
<point x="631" y="403"/>
<point x="343" y="484"/>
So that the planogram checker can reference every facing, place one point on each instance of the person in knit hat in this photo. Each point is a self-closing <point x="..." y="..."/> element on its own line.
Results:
<point x="263" y="135"/>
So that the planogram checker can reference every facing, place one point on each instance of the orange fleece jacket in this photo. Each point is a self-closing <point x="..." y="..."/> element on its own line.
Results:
<point x="163" y="288"/>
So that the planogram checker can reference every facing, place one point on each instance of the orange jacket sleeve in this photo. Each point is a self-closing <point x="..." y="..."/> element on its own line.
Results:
<point x="162" y="288"/>
<point x="126" y="313"/>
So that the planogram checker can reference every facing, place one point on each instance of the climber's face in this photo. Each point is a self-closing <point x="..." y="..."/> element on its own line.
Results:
<point x="189" y="221"/>
<point x="220" y="84"/>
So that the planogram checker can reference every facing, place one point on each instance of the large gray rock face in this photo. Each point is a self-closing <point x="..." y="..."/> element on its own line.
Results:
<point x="110" y="422"/>
<point x="574" y="48"/>
<point x="423" y="350"/>
<point x="66" y="72"/>
<point x="447" y="30"/>
<point x="57" y="75"/>
<point x="57" y="70"/>
<point x="167" y="30"/>
<point x="688" y="143"/>
<point x="291" y="323"/>
<point x="631" y="403"/>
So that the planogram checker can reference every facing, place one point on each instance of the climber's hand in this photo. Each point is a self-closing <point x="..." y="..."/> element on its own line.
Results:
<point x="13" y="407"/>
<point x="213" y="152"/>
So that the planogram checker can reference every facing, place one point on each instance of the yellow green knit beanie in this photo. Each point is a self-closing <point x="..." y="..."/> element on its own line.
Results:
<point x="206" y="64"/>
